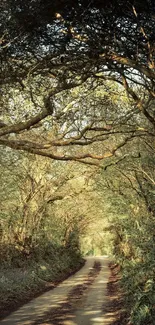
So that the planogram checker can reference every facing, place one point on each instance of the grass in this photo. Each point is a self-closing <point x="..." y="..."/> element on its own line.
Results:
<point x="19" y="285"/>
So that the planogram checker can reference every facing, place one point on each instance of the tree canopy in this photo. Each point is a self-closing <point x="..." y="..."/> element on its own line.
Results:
<point x="78" y="84"/>
<point x="48" y="50"/>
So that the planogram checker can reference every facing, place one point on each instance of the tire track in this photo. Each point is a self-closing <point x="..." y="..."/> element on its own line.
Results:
<point x="59" y="315"/>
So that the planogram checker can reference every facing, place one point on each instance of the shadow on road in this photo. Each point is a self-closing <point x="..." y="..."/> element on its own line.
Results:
<point x="60" y="307"/>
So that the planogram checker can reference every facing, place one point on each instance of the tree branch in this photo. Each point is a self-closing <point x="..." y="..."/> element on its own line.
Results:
<point x="130" y="63"/>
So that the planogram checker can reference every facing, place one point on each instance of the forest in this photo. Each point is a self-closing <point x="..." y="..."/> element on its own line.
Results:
<point x="77" y="145"/>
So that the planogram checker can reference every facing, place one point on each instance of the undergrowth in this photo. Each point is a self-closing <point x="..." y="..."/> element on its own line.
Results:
<point x="137" y="260"/>
<point x="21" y="279"/>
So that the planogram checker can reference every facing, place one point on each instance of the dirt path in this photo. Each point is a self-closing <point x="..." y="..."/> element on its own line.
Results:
<point x="83" y="308"/>
<point x="90" y="307"/>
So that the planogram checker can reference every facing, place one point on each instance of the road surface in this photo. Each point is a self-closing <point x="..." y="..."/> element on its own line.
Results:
<point x="87" y="311"/>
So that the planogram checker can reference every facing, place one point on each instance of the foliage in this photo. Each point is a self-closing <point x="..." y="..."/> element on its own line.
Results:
<point x="53" y="57"/>
<point x="78" y="86"/>
<point x="48" y="266"/>
<point x="129" y="191"/>
<point x="37" y="246"/>
<point x="27" y="215"/>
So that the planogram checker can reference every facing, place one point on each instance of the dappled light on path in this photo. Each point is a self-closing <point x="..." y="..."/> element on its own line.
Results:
<point x="89" y="309"/>
<point x="58" y="306"/>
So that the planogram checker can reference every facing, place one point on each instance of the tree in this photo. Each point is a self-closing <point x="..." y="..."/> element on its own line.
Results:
<point x="38" y="206"/>
<point x="127" y="189"/>
<point x="50" y="50"/>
